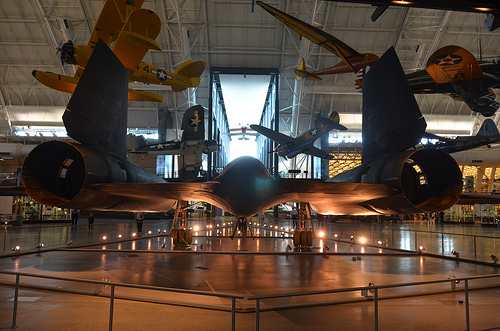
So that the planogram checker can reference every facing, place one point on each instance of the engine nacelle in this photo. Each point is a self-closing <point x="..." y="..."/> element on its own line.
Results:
<point x="428" y="180"/>
<point x="57" y="173"/>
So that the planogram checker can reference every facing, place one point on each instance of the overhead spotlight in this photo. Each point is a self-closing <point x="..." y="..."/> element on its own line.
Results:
<point x="282" y="234"/>
<point x="421" y="249"/>
<point x="164" y="231"/>
<point x="457" y="254"/>
<point x="134" y="234"/>
<point x="40" y="246"/>
<point x="119" y="236"/>
<point x="336" y="236"/>
<point x="104" y="238"/>
<point x="16" y="248"/>
<point x="380" y="242"/>
<point x="69" y="243"/>
<point x="351" y="239"/>
<point x="363" y="240"/>
<point x="150" y="232"/>
<point x="494" y="258"/>
<point x="196" y="228"/>
<point x="159" y="231"/>
<point x="321" y="234"/>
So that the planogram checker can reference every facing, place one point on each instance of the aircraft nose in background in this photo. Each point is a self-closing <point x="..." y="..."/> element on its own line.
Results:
<point x="245" y="184"/>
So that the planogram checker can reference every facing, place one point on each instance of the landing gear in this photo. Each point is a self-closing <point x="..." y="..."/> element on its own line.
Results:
<point x="241" y="225"/>
<point x="304" y="236"/>
<point x="180" y="234"/>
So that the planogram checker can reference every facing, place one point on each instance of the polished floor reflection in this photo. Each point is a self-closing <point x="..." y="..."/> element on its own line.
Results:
<point x="349" y="255"/>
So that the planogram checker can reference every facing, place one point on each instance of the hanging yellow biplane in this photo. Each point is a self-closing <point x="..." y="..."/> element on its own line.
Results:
<point x="131" y="32"/>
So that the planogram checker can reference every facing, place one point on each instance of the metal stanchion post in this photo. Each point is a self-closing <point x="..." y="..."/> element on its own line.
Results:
<point x="467" y="320"/>
<point x="475" y="252"/>
<point x="375" y="302"/>
<point x="442" y="242"/>
<point x="233" y="317"/>
<point x="111" y="305"/>
<point x="416" y="245"/>
<point x="257" y="312"/>
<point x="16" y="296"/>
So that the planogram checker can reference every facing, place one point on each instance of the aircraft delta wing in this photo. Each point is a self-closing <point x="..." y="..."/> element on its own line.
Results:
<point x="392" y="180"/>
<point x="132" y="31"/>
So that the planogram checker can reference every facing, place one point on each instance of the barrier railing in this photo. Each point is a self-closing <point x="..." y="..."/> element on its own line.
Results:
<point x="112" y="293"/>
<point x="372" y="289"/>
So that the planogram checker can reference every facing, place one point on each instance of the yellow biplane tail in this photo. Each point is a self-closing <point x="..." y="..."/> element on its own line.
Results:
<point x="189" y="73"/>
<point x="301" y="72"/>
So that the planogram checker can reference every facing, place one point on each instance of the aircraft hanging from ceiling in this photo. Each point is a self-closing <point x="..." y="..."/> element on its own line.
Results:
<point x="488" y="134"/>
<point x="290" y="147"/>
<point x="190" y="148"/>
<point x="489" y="7"/>
<point x="93" y="174"/>
<point x="352" y="60"/>
<point x="132" y="32"/>
<point x="450" y="70"/>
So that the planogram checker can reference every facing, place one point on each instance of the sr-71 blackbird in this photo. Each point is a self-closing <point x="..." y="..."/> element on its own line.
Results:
<point x="450" y="70"/>
<point x="94" y="174"/>
<point x="290" y="147"/>
<point x="132" y="32"/>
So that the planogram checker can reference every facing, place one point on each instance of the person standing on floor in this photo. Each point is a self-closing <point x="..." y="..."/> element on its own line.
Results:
<point x="75" y="213"/>
<point x="139" y="218"/>
<point x="90" y="221"/>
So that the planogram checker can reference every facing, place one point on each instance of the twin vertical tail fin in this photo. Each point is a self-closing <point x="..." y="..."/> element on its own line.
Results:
<point x="96" y="114"/>
<point x="392" y="121"/>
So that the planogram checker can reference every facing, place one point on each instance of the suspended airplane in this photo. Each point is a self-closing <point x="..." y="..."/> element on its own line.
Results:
<point x="132" y="32"/>
<point x="450" y="70"/>
<point x="290" y="147"/>
<point x="488" y="134"/>
<point x="190" y="148"/>
<point x="489" y="7"/>
<point x="352" y="61"/>
<point x="93" y="174"/>
<point x="455" y="71"/>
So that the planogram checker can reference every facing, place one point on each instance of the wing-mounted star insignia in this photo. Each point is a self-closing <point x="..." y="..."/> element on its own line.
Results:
<point x="447" y="60"/>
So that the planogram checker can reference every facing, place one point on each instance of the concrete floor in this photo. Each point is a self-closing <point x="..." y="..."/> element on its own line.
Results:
<point x="248" y="267"/>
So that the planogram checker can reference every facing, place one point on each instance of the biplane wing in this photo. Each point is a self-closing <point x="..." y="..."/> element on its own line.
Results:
<point x="455" y="71"/>
<point x="132" y="32"/>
